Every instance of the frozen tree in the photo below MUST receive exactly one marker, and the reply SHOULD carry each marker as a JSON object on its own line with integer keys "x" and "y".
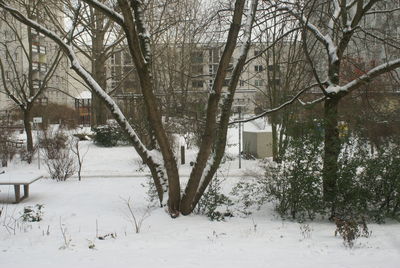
{"x": 332, "y": 32}
{"x": 25, "y": 67}
{"x": 129, "y": 15}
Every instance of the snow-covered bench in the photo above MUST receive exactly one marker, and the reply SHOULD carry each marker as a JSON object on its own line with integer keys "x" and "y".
{"x": 18, "y": 178}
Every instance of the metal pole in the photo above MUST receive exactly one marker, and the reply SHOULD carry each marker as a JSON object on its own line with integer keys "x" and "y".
{"x": 240, "y": 138}
{"x": 38, "y": 147}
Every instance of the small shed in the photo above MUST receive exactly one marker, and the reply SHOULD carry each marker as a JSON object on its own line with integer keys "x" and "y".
{"x": 258, "y": 143}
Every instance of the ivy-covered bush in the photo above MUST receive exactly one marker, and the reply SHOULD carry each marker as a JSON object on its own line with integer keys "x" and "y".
{"x": 214, "y": 203}
{"x": 294, "y": 185}
{"x": 368, "y": 180}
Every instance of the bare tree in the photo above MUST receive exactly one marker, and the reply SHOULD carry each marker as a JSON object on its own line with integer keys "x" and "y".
{"x": 339, "y": 28}
{"x": 282, "y": 70}
{"x": 96, "y": 39}
{"x": 25, "y": 70}
{"x": 161, "y": 161}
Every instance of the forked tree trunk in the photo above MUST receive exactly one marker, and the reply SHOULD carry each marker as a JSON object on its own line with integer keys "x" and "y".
{"x": 162, "y": 161}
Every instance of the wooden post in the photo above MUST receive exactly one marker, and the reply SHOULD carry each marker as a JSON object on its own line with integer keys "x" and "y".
{"x": 17, "y": 193}
{"x": 182, "y": 155}
{"x": 26, "y": 190}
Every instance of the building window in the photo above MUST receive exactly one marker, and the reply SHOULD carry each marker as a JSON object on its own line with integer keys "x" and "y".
{"x": 275, "y": 82}
{"x": 257, "y": 53}
{"x": 127, "y": 58}
{"x": 226, "y": 82}
{"x": 212, "y": 69}
{"x": 35, "y": 66}
{"x": 241, "y": 83}
{"x": 36, "y": 84}
{"x": 35, "y": 48}
{"x": 113, "y": 59}
{"x": 42, "y": 50}
{"x": 197, "y": 69}
{"x": 196, "y": 57}
{"x": 272, "y": 68}
{"x": 43, "y": 67}
{"x": 197, "y": 83}
{"x": 258, "y": 68}
{"x": 213, "y": 55}
{"x": 258, "y": 83}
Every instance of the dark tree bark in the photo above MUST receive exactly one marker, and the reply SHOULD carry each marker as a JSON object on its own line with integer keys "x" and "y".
{"x": 28, "y": 130}
{"x": 331, "y": 150}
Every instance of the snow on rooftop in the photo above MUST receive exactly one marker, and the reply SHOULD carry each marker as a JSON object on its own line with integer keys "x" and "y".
{"x": 84, "y": 95}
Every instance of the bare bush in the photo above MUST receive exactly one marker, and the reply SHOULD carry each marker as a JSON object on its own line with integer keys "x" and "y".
{"x": 350, "y": 230}
{"x": 75, "y": 149}
{"x": 137, "y": 220}
{"x": 57, "y": 155}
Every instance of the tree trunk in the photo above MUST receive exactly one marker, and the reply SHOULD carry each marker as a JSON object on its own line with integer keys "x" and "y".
{"x": 275, "y": 151}
{"x": 331, "y": 151}
{"x": 98, "y": 68}
{"x": 158, "y": 131}
{"x": 28, "y": 130}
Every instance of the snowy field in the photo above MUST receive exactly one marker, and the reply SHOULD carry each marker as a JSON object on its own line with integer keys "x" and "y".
{"x": 76, "y": 213}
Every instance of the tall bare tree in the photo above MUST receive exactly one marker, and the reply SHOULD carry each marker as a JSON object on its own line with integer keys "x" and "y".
{"x": 341, "y": 28}
{"x": 26, "y": 67}
{"x": 96, "y": 39}
{"x": 161, "y": 161}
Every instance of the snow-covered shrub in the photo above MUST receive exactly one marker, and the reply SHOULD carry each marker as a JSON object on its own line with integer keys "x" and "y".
{"x": 151, "y": 191}
{"x": 369, "y": 183}
{"x": 32, "y": 214}
{"x": 7, "y": 153}
{"x": 26, "y": 155}
{"x": 109, "y": 135}
{"x": 294, "y": 185}
{"x": 57, "y": 155}
{"x": 214, "y": 204}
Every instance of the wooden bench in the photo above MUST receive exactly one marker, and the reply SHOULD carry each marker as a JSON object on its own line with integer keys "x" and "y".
{"x": 18, "y": 178}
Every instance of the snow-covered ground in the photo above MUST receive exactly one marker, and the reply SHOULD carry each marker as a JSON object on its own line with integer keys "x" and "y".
{"x": 76, "y": 212}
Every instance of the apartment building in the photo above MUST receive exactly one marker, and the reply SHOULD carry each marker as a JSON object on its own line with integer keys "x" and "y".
{"x": 28, "y": 58}
{"x": 190, "y": 75}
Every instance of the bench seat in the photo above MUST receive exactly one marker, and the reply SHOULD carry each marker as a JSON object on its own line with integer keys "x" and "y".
{"x": 18, "y": 178}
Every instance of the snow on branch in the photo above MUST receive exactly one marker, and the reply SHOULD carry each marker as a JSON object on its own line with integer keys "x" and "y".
{"x": 280, "y": 107}
{"x": 326, "y": 40}
{"x": 310, "y": 103}
{"x": 248, "y": 26}
{"x": 373, "y": 73}
{"x": 335, "y": 16}
{"x": 143, "y": 33}
{"x": 95, "y": 87}
{"x": 215, "y": 158}
{"x": 112, "y": 14}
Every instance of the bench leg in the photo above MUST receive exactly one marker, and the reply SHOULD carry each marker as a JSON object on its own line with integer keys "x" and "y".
{"x": 17, "y": 193}
{"x": 26, "y": 190}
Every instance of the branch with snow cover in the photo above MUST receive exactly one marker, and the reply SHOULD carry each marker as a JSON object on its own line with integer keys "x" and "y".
{"x": 150, "y": 157}
{"x": 326, "y": 40}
